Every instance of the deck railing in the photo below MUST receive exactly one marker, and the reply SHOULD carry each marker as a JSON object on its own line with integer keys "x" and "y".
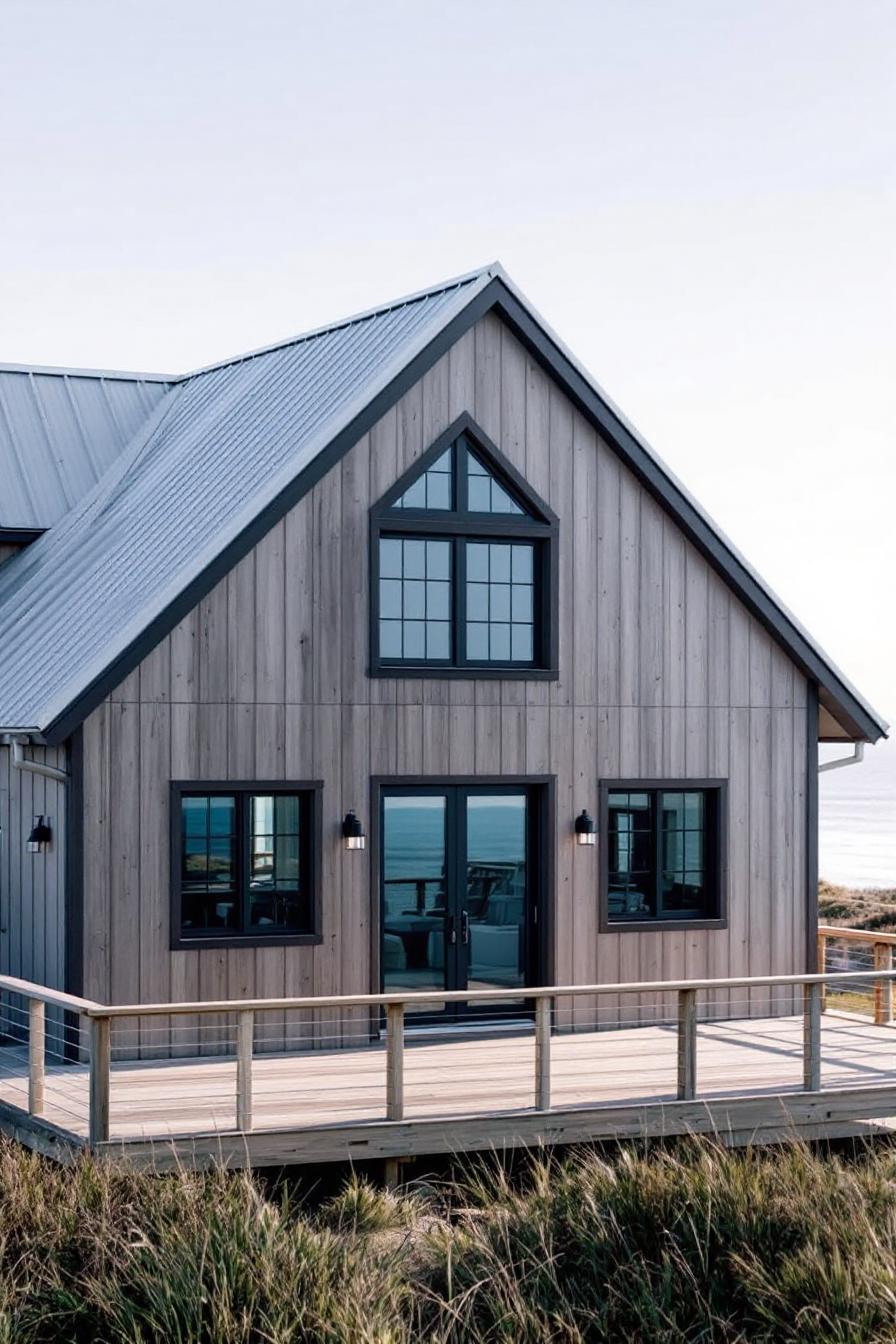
{"x": 869, "y": 948}
{"x": 93, "y": 1036}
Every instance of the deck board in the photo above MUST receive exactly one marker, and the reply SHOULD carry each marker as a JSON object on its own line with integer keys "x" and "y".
{"x": 475, "y": 1075}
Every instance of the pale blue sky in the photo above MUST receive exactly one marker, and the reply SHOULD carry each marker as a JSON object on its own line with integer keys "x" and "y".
{"x": 699, "y": 195}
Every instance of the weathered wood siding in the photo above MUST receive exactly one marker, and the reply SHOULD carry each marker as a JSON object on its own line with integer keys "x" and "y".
{"x": 32, "y": 886}
{"x": 662, "y": 673}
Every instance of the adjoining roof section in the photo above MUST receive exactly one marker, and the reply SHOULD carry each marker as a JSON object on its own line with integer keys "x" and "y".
{"x": 60, "y": 430}
{"x": 229, "y": 450}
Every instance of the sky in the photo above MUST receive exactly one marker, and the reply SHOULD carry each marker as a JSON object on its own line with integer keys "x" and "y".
{"x": 698, "y": 195}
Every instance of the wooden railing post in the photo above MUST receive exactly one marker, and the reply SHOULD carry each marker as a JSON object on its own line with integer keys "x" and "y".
{"x": 100, "y": 1064}
{"x": 36, "y": 1059}
{"x": 883, "y": 989}
{"x": 822, "y": 966}
{"x": 244, "y": 1043}
{"x": 394, "y": 1061}
{"x": 812, "y": 1037}
{"x": 687, "y": 1044}
{"x": 543, "y": 1009}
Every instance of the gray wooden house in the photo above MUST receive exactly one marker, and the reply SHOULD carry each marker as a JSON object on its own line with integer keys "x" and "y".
{"x": 388, "y": 657}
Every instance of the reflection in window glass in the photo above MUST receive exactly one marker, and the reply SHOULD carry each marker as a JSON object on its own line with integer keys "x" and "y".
{"x": 241, "y": 864}
{"x": 660, "y": 862}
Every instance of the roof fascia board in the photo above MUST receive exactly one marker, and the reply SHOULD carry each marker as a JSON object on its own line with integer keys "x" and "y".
{"x": 497, "y": 294}
{"x": 674, "y": 498}
{"x": 67, "y": 719}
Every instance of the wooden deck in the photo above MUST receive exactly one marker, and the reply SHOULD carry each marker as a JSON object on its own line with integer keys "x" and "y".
{"x": 470, "y": 1092}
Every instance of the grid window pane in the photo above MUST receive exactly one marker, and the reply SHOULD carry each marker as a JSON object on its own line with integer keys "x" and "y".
{"x": 242, "y": 864}
{"x": 432, "y": 490}
{"x": 390, "y": 558}
{"x": 485, "y": 494}
{"x": 506, "y": 602}
{"x": 438, "y": 639}
{"x": 683, "y": 851}
{"x": 659, "y": 860}
{"x": 208, "y": 862}
{"x": 415, "y": 604}
{"x": 390, "y": 599}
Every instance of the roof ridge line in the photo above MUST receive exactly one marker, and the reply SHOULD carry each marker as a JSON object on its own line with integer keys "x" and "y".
{"x": 491, "y": 271}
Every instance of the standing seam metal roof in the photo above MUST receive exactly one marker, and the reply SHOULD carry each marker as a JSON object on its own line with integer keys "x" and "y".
{"x": 59, "y": 432}
{"x": 221, "y": 445}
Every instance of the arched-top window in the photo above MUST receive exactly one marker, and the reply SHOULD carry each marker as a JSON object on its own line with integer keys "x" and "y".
{"x": 463, "y": 566}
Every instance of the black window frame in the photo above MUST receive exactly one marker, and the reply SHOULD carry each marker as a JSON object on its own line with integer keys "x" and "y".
{"x": 309, "y": 792}
{"x": 715, "y": 855}
{"x": 539, "y": 526}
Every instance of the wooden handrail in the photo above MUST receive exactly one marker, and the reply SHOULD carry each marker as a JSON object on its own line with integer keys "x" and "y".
{"x": 856, "y": 935}
{"x": 58, "y": 998}
{"x": 532, "y": 992}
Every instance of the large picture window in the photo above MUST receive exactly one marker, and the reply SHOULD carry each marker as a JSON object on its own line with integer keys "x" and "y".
{"x": 463, "y": 567}
{"x": 244, "y": 863}
{"x": 662, "y": 852}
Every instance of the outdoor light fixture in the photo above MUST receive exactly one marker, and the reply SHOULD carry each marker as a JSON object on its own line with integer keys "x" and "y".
{"x": 41, "y": 835}
{"x": 586, "y": 831}
{"x": 353, "y": 832}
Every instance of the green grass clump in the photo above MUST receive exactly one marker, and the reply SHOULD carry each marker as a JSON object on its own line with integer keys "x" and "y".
{"x": 690, "y": 1243}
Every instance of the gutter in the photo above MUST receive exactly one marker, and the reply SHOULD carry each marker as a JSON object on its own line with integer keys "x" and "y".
{"x": 22, "y": 762}
{"x": 858, "y": 754}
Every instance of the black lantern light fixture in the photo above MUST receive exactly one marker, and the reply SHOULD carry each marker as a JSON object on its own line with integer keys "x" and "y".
{"x": 41, "y": 835}
{"x": 353, "y": 832}
{"x": 586, "y": 831}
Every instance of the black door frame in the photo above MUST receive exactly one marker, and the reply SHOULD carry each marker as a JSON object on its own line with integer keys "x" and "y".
{"x": 541, "y": 850}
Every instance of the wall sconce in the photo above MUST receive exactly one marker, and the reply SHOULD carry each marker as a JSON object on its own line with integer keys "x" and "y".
{"x": 353, "y": 832}
{"x": 41, "y": 835}
{"x": 586, "y": 831}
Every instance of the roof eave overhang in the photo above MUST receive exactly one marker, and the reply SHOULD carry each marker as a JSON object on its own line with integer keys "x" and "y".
{"x": 499, "y": 295}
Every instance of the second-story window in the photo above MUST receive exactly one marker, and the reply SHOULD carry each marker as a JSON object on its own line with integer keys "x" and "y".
{"x": 463, "y": 566}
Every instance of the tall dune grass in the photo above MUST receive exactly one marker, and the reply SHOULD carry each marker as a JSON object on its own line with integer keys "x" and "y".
{"x": 693, "y": 1243}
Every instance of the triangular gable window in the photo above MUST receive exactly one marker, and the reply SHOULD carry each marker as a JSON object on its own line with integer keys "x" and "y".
{"x": 463, "y": 566}
{"x": 460, "y": 481}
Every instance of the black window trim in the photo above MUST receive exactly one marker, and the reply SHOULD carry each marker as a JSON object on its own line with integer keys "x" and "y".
{"x": 540, "y": 526}
{"x": 178, "y": 788}
{"x": 661, "y": 924}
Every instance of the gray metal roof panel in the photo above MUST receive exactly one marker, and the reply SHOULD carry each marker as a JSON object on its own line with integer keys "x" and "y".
{"x": 59, "y": 432}
{"x": 223, "y": 445}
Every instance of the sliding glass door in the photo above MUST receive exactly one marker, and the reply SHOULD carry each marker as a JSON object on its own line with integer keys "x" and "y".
{"x": 459, "y": 903}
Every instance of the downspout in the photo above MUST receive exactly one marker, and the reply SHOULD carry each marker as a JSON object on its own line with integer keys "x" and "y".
{"x": 21, "y": 762}
{"x": 858, "y": 753}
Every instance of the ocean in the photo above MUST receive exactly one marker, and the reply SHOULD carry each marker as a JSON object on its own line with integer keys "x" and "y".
{"x": 857, "y": 819}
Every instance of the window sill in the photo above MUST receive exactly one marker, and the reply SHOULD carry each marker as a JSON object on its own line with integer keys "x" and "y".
{"x": 473, "y": 673}
{"x": 658, "y": 925}
{"x": 204, "y": 943}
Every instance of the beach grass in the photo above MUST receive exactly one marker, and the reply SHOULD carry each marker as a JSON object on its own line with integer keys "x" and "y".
{"x": 686, "y": 1243}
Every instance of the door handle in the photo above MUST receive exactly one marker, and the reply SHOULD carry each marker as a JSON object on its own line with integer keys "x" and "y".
{"x": 452, "y": 931}
{"x": 464, "y": 928}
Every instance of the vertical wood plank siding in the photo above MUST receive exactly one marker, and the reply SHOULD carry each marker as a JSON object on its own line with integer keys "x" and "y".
{"x": 662, "y": 672}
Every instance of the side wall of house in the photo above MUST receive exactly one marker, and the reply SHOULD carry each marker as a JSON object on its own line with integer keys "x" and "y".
{"x": 663, "y": 673}
{"x": 32, "y": 886}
